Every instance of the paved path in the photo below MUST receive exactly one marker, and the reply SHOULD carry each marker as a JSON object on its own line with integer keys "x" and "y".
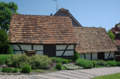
{"x": 68, "y": 74}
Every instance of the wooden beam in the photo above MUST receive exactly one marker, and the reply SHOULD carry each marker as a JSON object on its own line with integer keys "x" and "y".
{"x": 74, "y": 48}
{"x": 20, "y": 48}
{"x": 65, "y": 50}
{"x": 32, "y": 46}
{"x": 84, "y": 55}
{"x": 91, "y": 56}
{"x": 109, "y": 55}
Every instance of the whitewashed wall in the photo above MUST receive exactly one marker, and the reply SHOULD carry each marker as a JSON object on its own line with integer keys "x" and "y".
{"x": 107, "y": 54}
{"x": 62, "y": 48}
{"x": 88, "y": 56}
{"x": 94, "y": 56}
{"x": 81, "y": 55}
{"x": 28, "y": 47}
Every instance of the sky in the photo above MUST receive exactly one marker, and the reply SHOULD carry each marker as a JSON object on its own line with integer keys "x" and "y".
{"x": 88, "y": 13}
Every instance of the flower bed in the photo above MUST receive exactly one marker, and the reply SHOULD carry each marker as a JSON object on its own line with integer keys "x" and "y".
{"x": 72, "y": 66}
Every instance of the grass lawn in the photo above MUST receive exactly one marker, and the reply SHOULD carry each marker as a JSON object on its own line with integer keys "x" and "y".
{"x": 113, "y": 76}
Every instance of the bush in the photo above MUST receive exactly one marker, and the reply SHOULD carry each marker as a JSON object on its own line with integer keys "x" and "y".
{"x": 9, "y": 50}
{"x": 65, "y": 61}
{"x": 3, "y": 58}
{"x": 35, "y": 61}
{"x": 84, "y": 63}
{"x": 6, "y": 70}
{"x": 58, "y": 66}
{"x": 26, "y": 69}
{"x": 75, "y": 56}
{"x": 69, "y": 60}
{"x": 15, "y": 70}
{"x": 101, "y": 63}
{"x": 57, "y": 59}
{"x": 94, "y": 63}
{"x": 112, "y": 63}
{"x": 118, "y": 63}
{"x": 9, "y": 70}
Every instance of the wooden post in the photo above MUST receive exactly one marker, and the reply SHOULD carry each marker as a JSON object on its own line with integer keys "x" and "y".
{"x": 32, "y": 46}
{"x": 20, "y": 49}
{"x": 84, "y": 55}
{"x": 91, "y": 56}
{"x": 109, "y": 55}
{"x": 65, "y": 50}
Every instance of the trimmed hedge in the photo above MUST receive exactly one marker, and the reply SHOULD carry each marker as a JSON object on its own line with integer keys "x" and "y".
{"x": 65, "y": 61}
{"x": 26, "y": 69}
{"x": 101, "y": 63}
{"x": 76, "y": 56}
{"x": 94, "y": 63}
{"x": 112, "y": 63}
{"x": 118, "y": 63}
{"x": 4, "y": 57}
{"x": 58, "y": 66}
{"x": 84, "y": 63}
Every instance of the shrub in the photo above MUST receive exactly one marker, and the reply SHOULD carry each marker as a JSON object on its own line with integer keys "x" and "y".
{"x": 112, "y": 63}
{"x": 9, "y": 70}
{"x": 58, "y": 66}
{"x": 35, "y": 61}
{"x": 65, "y": 61}
{"x": 9, "y": 50}
{"x": 101, "y": 63}
{"x": 118, "y": 63}
{"x": 26, "y": 69}
{"x": 94, "y": 63}
{"x": 4, "y": 69}
{"x": 84, "y": 63}
{"x": 70, "y": 60}
{"x": 3, "y": 58}
{"x": 15, "y": 70}
{"x": 75, "y": 56}
{"x": 57, "y": 59}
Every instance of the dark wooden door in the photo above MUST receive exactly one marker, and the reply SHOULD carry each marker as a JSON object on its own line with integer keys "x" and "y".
{"x": 101, "y": 55}
{"x": 50, "y": 50}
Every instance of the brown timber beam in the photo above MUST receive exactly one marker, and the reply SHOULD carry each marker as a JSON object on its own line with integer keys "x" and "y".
{"x": 91, "y": 56}
{"x": 20, "y": 48}
{"x": 65, "y": 50}
{"x": 109, "y": 55}
{"x": 84, "y": 55}
{"x": 32, "y": 47}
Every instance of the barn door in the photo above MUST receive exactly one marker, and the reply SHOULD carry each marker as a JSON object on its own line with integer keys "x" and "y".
{"x": 50, "y": 50}
{"x": 101, "y": 55}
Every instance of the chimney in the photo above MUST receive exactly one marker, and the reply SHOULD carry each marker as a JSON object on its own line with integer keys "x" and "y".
{"x": 51, "y": 14}
{"x": 116, "y": 28}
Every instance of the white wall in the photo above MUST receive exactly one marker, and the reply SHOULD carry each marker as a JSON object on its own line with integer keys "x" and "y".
{"x": 39, "y": 52}
{"x": 88, "y": 56}
{"x": 17, "y": 52}
{"x": 64, "y": 46}
{"x": 107, "y": 54}
{"x": 25, "y": 47}
{"x": 81, "y": 55}
{"x": 37, "y": 47}
{"x": 94, "y": 56}
{"x": 15, "y": 47}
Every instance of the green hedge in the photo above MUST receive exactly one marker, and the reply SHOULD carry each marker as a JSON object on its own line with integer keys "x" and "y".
{"x": 35, "y": 61}
{"x": 4, "y": 57}
{"x": 57, "y": 59}
{"x": 76, "y": 56}
{"x": 112, "y": 63}
{"x": 101, "y": 63}
{"x": 84, "y": 63}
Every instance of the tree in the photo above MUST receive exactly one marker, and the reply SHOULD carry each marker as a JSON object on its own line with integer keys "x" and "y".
{"x": 111, "y": 35}
{"x": 5, "y": 48}
{"x": 75, "y": 56}
{"x": 6, "y": 10}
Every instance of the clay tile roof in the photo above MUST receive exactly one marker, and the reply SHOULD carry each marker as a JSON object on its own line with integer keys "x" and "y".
{"x": 93, "y": 40}
{"x": 41, "y": 29}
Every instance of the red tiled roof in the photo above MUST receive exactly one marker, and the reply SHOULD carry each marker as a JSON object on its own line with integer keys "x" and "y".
{"x": 41, "y": 29}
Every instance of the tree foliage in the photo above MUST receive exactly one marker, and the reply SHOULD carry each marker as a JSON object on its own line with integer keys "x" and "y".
{"x": 6, "y": 10}
{"x": 111, "y": 35}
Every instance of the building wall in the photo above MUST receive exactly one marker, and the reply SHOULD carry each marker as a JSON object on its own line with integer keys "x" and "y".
{"x": 39, "y": 49}
{"x": 65, "y": 14}
{"x": 95, "y": 55}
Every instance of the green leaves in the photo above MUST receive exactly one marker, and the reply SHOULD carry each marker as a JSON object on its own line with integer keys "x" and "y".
{"x": 111, "y": 35}
{"x": 6, "y": 10}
